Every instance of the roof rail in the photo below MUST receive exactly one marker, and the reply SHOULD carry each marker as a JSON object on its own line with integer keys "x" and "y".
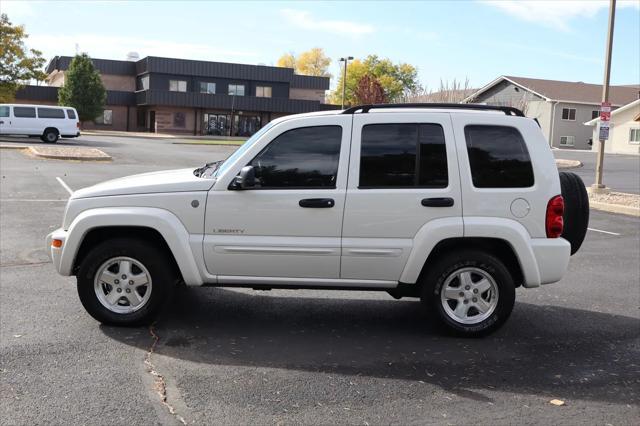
{"x": 366, "y": 108}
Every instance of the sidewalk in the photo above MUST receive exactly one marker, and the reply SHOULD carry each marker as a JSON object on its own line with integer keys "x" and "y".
{"x": 149, "y": 135}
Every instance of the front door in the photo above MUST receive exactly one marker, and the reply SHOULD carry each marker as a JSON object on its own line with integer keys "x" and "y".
{"x": 5, "y": 119}
{"x": 403, "y": 175}
{"x": 289, "y": 225}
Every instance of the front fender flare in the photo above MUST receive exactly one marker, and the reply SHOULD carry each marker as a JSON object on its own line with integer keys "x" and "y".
{"x": 163, "y": 221}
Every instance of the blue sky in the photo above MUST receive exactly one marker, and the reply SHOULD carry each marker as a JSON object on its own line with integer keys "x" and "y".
{"x": 479, "y": 40}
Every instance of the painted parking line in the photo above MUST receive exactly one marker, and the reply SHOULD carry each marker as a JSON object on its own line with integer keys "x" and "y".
{"x": 64, "y": 185}
{"x": 604, "y": 232}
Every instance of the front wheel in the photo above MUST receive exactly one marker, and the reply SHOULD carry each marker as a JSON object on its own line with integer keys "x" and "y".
{"x": 470, "y": 293}
{"x": 125, "y": 281}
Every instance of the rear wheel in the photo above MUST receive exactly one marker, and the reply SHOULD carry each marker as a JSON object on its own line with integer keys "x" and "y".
{"x": 576, "y": 209}
{"x": 125, "y": 281}
{"x": 470, "y": 293}
{"x": 50, "y": 136}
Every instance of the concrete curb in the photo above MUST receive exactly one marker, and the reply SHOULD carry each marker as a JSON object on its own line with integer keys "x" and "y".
{"x": 615, "y": 208}
{"x": 221, "y": 143}
{"x": 96, "y": 154}
{"x": 568, "y": 164}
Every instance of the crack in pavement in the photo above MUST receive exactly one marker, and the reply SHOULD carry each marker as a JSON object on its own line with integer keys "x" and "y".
{"x": 10, "y": 264}
{"x": 160, "y": 384}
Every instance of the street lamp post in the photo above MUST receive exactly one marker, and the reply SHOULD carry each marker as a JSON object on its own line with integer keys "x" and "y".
{"x": 344, "y": 76}
{"x": 233, "y": 101}
{"x": 605, "y": 93}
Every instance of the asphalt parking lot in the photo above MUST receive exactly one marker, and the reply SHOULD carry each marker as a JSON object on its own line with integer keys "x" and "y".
{"x": 290, "y": 357}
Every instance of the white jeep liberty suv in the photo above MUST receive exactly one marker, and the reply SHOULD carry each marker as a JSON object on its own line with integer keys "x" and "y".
{"x": 455, "y": 204}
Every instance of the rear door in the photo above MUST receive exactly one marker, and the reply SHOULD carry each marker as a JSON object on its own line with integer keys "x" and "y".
{"x": 403, "y": 174}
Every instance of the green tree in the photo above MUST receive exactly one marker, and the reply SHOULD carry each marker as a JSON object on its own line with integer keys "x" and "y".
{"x": 18, "y": 64}
{"x": 83, "y": 88}
{"x": 397, "y": 80}
{"x": 312, "y": 62}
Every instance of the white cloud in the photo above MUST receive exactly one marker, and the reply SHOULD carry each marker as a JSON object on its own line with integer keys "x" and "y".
{"x": 555, "y": 14}
{"x": 303, "y": 19}
{"x": 116, "y": 47}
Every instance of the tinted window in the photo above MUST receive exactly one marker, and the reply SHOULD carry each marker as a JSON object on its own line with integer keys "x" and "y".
{"x": 498, "y": 157}
{"x": 71, "y": 114}
{"x": 50, "y": 113}
{"x": 403, "y": 155}
{"x": 24, "y": 112}
{"x": 4, "y": 111}
{"x": 301, "y": 158}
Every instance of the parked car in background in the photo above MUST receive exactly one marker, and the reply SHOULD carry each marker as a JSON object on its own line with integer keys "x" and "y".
{"x": 47, "y": 122}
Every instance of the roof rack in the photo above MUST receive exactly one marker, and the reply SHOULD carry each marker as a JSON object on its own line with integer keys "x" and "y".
{"x": 366, "y": 108}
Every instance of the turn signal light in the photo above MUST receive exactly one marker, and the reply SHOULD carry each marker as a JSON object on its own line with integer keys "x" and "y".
{"x": 56, "y": 243}
{"x": 554, "y": 222}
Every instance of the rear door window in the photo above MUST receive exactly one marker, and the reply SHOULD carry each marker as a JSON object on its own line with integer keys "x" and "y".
{"x": 71, "y": 114}
{"x": 24, "y": 112}
{"x": 403, "y": 155}
{"x": 50, "y": 113}
{"x": 498, "y": 157}
{"x": 4, "y": 111}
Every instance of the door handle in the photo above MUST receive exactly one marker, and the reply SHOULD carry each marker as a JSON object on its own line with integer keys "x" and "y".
{"x": 317, "y": 203}
{"x": 437, "y": 202}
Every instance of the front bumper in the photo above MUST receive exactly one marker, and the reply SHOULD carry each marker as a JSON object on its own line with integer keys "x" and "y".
{"x": 56, "y": 252}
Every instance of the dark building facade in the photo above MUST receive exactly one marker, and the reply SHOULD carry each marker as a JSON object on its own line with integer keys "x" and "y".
{"x": 193, "y": 97}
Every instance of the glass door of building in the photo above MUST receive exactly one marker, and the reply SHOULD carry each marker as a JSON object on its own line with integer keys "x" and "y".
{"x": 216, "y": 124}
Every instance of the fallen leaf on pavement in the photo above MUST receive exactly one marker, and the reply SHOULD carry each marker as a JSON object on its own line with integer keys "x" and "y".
{"x": 557, "y": 402}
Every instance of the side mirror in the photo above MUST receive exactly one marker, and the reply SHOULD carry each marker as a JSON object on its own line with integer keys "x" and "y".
{"x": 245, "y": 180}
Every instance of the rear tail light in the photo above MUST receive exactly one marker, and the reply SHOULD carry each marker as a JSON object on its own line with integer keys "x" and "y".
{"x": 78, "y": 124}
{"x": 554, "y": 222}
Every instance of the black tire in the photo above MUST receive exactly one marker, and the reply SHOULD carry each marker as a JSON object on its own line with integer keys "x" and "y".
{"x": 163, "y": 278}
{"x": 576, "y": 209}
{"x": 50, "y": 136}
{"x": 444, "y": 268}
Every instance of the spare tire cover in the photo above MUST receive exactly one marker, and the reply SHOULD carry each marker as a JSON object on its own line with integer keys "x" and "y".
{"x": 576, "y": 209}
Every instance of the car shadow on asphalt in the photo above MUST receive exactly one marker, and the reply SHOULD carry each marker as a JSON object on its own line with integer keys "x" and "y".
{"x": 542, "y": 350}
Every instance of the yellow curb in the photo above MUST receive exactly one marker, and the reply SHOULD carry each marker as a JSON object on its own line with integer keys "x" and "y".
{"x": 99, "y": 155}
{"x": 14, "y": 146}
{"x": 615, "y": 208}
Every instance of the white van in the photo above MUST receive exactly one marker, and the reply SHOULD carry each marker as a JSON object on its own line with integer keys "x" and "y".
{"x": 47, "y": 122}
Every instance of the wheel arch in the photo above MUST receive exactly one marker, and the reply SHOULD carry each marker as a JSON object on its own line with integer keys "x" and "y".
{"x": 145, "y": 222}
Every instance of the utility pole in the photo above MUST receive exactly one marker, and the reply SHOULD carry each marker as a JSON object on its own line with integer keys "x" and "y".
{"x": 605, "y": 93}
{"x": 344, "y": 76}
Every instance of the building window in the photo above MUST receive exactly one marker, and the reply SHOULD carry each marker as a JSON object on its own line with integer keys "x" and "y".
{"x": 106, "y": 118}
{"x": 179, "y": 120}
{"x": 567, "y": 140}
{"x": 144, "y": 82}
{"x": 177, "y": 85}
{"x": 634, "y": 136}
{"x": 569, "y": 114}
{"x": 206, "y": 87}
{"x": 595, "y": 114}
{"x": 263, "y": 91}
{"x": 498, "y": 157}
{"x": 388, "y": 156}
{"x": 236, "y": 89}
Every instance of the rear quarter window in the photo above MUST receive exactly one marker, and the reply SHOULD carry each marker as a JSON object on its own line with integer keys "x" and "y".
{"x": 71, "y": 114}
{"x": 498, "y": 157}
{"x": 50, "y": 113}
{"x": 4, "y": 111}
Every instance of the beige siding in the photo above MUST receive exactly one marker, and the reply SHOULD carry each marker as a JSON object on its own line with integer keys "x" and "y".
{"x": 620, "y": 132}
{"x": 124, "y": 83}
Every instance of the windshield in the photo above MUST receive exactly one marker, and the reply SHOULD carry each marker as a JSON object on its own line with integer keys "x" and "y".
{"x": 244, "y": 147}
